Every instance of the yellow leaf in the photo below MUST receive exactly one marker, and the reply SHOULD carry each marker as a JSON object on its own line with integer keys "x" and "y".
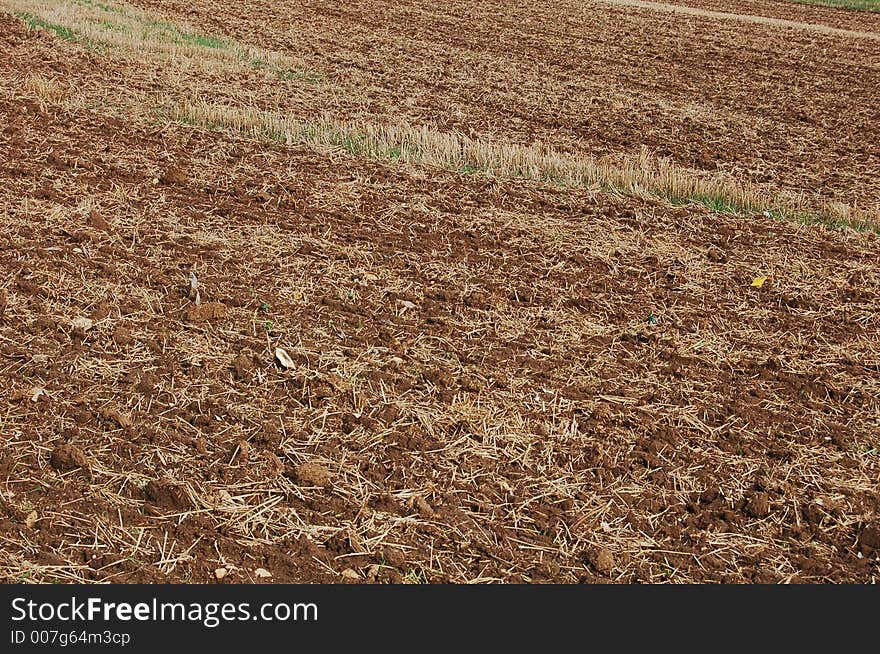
{"x": 759, "y": 282}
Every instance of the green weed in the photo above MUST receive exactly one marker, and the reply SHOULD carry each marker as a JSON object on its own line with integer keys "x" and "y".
{"x": 101, "y": 6}
{"x": 857, "y": 5}
{"x": 34, "y": 22}
{"x": 297, "y": 76}
{"x": 204, "y": 41}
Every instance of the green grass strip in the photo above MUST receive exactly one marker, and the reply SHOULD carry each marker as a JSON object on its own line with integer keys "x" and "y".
{"x": 856, "y": 5}
{"x": 35, "y": 22}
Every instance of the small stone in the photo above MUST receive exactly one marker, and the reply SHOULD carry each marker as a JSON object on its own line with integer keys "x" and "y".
{"x": 349, "y": 573}
{"x": 68, "y": 457}
{"x": 219, "y": 573}
{"x": 262, "y": 573}
{"x": 283, "y": 358}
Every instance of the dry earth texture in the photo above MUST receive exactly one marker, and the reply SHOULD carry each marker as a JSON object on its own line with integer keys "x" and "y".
{"x": 439, "y": 292}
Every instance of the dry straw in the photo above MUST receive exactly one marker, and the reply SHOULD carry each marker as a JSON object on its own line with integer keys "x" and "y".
{"x": 119, "y": 25}
{"x": 640, "y": 175}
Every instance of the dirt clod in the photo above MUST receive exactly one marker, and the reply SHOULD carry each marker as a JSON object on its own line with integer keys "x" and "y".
{"x": 68, "y": 457}
{"x": 241, "y": 452}
{"x": 147, "y": 382}
{"x": 757, "y": 505}
{"x": 311, "y": 474}
{"x": 243, "y": 367}
{"x": 424, "y": 509}
{"x": 716, "y": 255}
{"x": 601, "y": 560}
{"x": 172, "y": 176}
{"x": 394, "y": 557}
{"x": 268, "y": 437}
{"x": 98, "y": 221}
{"x": 115, "y": 418}
{"x": 869, "y": 539}
{"x": 167, "y": 494}
{"x": 122, "y": 336}
{"x": 206, "y": 312}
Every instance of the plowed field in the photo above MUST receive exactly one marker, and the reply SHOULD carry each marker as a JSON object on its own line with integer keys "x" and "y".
{"x": 424, "y": 292}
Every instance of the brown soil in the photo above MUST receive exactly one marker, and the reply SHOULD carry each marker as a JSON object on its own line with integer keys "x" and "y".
{"x": 493, "y": 380}
{"x": 793, "y": 109}
{"x": 863, "y": 21}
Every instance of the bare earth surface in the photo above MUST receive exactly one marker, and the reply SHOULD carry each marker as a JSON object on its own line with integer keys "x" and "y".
{"x": 786, "y": 10}
{"x": 483, "y": 379}
{"x": 794, "y": 109}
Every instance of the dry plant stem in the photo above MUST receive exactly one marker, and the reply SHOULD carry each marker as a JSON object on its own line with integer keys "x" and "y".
{"x": 121, "y": 26}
